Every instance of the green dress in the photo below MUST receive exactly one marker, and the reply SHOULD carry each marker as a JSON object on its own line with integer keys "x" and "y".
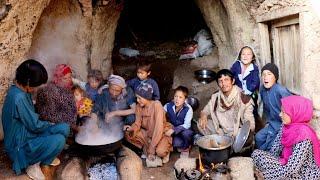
{"x": 27, "y": 139}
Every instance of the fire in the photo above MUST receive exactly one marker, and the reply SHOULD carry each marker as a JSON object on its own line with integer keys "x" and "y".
{"x": 201, "y": 168}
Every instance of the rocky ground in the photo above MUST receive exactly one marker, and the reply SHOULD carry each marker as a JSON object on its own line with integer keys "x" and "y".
{"x": 162, "y": 173}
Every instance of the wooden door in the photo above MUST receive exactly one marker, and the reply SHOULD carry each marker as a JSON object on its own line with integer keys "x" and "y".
{"x": 286, "y": 52}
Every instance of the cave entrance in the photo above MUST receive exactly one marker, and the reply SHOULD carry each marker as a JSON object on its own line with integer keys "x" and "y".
{"x": 160, "y": 30}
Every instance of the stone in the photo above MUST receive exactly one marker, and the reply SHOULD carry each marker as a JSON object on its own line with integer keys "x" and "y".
{"x": 241, "y": 168}
{"x": 72, "y": 170}
{"x": 129, "y": 164}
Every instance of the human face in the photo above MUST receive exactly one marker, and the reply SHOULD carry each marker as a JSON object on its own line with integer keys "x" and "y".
{"x": 77, "y": 95}
{"x": 179, "y": 98}
{"x": 93, "y": 83}
{"x": 142, "y": 101}
{"x": 115, "y": 90}
{"x": 268, "y": 79}
{"x": 285, "y": 117}
{"x": 226, "y": 84}
{"x": 246, "y": 56}
{"x": 31, "y": 90}
{"x": 66, "y": 79}
{"x": 142, "y": 74}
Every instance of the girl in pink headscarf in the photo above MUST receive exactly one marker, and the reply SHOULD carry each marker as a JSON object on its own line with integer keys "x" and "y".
{"x": 295, "y": 154}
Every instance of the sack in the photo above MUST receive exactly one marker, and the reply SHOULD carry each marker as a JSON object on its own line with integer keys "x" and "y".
{"x": 129, "y": 52}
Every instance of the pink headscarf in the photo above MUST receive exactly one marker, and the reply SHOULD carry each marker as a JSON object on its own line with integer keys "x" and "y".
{"x": 300, "y": 111}
{"x": 60, "y": 71}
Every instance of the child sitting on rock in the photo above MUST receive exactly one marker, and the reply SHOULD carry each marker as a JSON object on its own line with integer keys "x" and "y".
{"x": 180, "y": 115}
{"x": 143, "y": 73}
{"x": 93, "y": 86}
{"x": 151, "y": 131}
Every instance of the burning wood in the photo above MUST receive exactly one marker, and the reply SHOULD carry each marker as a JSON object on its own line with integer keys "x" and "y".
{"x": 201, "y": 168}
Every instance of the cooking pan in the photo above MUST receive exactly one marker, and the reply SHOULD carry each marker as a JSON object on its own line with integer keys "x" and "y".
{"x": 81, "y": 150}
{"x": 84, "y": 148}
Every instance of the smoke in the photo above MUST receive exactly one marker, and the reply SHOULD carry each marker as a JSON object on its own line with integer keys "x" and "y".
{"x": 60, "y": 40}
{"x": 97, "y": 132}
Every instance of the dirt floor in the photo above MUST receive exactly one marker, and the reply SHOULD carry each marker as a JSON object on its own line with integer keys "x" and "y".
{"x": 162, "y": 173}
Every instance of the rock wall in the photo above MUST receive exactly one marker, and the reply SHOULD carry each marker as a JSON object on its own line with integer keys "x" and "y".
{"x": 310, "y": 56}
{"x": 64, "y": 35}
{"x": 104, "y": 26}
{"x": 231, "y": 25}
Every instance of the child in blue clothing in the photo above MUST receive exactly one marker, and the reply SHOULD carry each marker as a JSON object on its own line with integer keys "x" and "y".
{"x": 246, "y": 72}
{"x": 271, "y": 93}
{"x": 93, "y": 86}
{"x": 143, "y": 73}
{"x": 180, "y": 115}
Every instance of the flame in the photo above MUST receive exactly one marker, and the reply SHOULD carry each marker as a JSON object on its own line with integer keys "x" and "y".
{"x": 212, "y": 165}
{"x": 201, "y": 168}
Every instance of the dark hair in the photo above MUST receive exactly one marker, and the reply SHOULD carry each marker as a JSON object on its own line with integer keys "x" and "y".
{"x": 97, "y": 74}
{"x": 183, "y": 89}
{"x": 144, "y": 65}
{"x": 78, "y": 88}
{"x": 225, "y": 72}
{"x": 31, "y": 73}
{"x": 253, "y": 55}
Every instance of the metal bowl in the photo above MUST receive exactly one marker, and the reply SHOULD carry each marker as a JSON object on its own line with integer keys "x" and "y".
{"x": 205, "y": 76}
{"x": 193, "y": 102}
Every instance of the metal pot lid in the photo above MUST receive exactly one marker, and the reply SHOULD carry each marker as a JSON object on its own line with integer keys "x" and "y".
{"x": 241, "y": 137}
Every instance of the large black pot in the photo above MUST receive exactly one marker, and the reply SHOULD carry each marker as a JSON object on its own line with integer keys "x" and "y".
{"x": 214, "y": 154}
{"x": 95, "y": 150}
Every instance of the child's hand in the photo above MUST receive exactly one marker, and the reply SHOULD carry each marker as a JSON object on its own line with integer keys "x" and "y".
{"x": 169, "y": 132}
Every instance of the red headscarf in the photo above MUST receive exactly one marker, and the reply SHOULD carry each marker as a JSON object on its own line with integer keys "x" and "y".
{"x": 60, "y": 71}
{"x": 300, "y": 111}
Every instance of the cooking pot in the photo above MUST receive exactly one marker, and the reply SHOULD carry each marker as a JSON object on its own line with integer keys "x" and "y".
{"x": 95, "y": 150}
{"x": 205, "y": 76}
{"x": 214, "y": 148}
{"x": 193, "y": 102}
{"x": 93, "y": 140}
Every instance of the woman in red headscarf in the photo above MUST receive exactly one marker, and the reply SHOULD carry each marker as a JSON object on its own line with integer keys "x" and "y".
{"x": 55, "y": 102}
{"x": 295, "y": 153}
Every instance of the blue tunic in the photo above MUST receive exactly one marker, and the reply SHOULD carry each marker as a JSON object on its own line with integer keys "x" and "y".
{"x": 271, "y": 108}
{"x": 92, "y": 93}
{"x": 27, "y": 139}
{"x": 135, "y": 82}
{"x": 104, "y": 104}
